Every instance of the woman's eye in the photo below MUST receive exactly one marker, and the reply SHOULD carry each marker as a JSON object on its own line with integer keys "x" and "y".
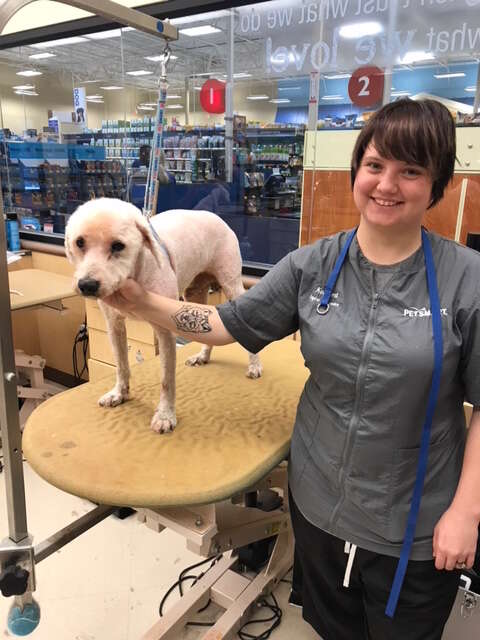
{"x": 117, "y": 247}
{"x": 412, "y": 172}
{"x": 80, "y": 243}
{"x": 375, "y": 166}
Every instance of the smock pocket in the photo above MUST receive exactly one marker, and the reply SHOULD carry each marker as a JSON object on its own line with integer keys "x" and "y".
{"x": 443, "y": 472}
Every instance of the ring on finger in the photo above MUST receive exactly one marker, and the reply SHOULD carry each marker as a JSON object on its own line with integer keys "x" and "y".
{"x": 461, "y": 564}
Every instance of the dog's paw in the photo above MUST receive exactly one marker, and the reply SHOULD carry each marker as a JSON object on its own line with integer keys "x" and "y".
{"x": 113, "y": 398}
{"x": 163, "y": 421}
{"x": 198, "y": 359}
{"x": 254, "y": 370}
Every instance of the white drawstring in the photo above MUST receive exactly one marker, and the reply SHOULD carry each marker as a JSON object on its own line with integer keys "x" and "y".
{"x": 350, "y": 549}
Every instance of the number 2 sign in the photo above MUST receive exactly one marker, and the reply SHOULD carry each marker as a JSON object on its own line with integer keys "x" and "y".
{"x": 365, "y": 86}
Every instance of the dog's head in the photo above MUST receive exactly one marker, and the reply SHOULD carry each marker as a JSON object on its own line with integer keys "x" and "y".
{"x": 103, "y": 240}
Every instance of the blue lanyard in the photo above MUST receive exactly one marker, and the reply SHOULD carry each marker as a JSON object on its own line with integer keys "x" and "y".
{"x": 322, "y": 309}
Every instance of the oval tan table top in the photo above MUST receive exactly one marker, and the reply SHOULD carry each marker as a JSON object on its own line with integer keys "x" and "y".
{"x": 231, "y": 431}
{"x": 32, "y": 287}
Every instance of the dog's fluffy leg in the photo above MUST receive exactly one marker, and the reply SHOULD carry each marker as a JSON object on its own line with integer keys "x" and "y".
{"x": 232, "y": 290}
{"x": 118, "y": 339}
{"x": 164, "y": 418}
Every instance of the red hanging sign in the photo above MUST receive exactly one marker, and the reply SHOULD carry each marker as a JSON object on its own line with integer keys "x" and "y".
{"x": 365, "y": 87}
{"x": 212, "y": 96}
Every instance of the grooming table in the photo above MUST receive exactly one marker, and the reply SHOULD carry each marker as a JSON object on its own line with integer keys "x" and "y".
{"x": 232, "y": 434}
{"x": 31, "y": 288}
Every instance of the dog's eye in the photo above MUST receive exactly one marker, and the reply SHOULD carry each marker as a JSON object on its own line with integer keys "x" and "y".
{"x": 117, "y": 246}
{"x": 80, "y": 243}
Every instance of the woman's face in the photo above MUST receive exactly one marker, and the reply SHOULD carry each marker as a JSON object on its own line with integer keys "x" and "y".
{"x": 391, "y": 193}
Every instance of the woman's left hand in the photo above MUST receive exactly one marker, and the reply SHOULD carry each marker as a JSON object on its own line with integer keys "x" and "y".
{"x": 455, "y": 540}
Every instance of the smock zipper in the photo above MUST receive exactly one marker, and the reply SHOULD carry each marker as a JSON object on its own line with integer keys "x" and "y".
{"x": 359, "y": 388}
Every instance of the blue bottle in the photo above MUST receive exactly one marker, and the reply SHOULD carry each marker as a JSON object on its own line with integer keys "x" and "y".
{"x": 13, "y": 237}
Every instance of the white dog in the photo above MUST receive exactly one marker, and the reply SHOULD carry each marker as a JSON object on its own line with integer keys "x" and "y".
{"x": 108, "y": 241}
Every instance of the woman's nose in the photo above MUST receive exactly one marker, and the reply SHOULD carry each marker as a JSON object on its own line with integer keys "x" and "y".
{"x": 387, "y": 182}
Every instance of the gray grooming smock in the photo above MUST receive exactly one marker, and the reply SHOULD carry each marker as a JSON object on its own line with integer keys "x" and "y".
{"x": 355, "y": 444}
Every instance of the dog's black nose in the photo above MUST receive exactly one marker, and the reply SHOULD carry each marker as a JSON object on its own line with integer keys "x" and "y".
{"x": 89, "y": 286}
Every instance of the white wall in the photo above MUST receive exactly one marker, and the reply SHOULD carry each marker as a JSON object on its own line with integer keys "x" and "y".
{"x": 55, "y": 93}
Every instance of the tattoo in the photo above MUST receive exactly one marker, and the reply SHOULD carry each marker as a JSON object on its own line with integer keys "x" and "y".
{"x": 192, "y": 319}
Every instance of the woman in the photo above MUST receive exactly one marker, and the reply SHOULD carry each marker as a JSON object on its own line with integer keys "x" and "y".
{"x": 389, "y": 321}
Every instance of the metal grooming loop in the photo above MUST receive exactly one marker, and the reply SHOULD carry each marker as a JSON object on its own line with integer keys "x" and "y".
{"x": 151, "y": 188}
{"x": 17, "y": 553}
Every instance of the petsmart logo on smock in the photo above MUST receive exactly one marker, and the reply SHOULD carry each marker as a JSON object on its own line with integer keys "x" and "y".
{"x": 413, "y": 312}
{"x": 317, "y": 295}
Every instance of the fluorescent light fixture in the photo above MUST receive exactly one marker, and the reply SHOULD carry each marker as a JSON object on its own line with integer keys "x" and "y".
{"x": 24, "y": 87}
{"x": 332, "y": 97}
{"x": 95, "y": 101}
{"x": 360, "y": 29}
{"x": 94, "y": 97}
{"x": 90, "y": 81}
{"x": 400, "y": 93}
{"x": 200, "y": 17}
{"x": 174, "y": 106}
{"x": 449, "y": 75}
{"x": 28, "y": 73}
{"x": 416, "y": 56}
{"x": 203, "y": 30}
{"x": 143, "y": 107}
{"x": 280, "y": 100}
{"x": 289, "y": 88}
{"x": 173, "y": 97}
{"x": 258, "y": 97}
{"x": 159, "y": 58}
{"x": 241, "y": 74}
{"x": 40, "y": 56}
{"x": 140, "y": 72}
{"x": 103, "y": 35}
{"x": 200, "y": 88}
{"x": 59, "y": 43}
{"x": 338, "y": 76}
{"x": 472, "y": 87}
{"x": 25, "y": 92}
{"x": 148, "y": 104}
{"x": 112, "y": 88}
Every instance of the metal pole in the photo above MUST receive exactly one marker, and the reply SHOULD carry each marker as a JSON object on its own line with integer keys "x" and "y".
{"x": 392, "y": 21}
{"x": 476, "y": 102}
{"x": 104, "y": 8}
{"x": 9, "y": 420}
{"x": 229, "y": 98}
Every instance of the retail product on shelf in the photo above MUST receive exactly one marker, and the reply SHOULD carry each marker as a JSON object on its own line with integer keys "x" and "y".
{"x": 50, "y": 180}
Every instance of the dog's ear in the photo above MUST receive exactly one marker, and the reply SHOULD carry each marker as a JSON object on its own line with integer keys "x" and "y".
{"x": 143, "y": 226}
{"x": 68, "y": 246}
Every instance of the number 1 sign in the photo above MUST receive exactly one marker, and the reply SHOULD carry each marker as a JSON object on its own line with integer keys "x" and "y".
{"x": 365, "y": 87}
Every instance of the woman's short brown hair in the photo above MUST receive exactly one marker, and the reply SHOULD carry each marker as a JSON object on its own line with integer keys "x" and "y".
{"x": 419, "y": 132}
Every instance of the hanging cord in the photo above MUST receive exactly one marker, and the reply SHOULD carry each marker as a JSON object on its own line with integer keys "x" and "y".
{"x": 82, "y": 339}
{"x": 275, "y": 618}
{"x": 151, "y": 188}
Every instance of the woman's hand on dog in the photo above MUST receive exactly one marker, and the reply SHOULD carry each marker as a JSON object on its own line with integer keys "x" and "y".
{"x": 128, "y": 299}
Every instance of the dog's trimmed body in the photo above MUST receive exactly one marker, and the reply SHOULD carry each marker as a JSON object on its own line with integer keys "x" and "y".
{"x": 193, "y": 249}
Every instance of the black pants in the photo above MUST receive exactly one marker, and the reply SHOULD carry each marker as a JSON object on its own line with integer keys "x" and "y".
{"x": 358, "y": 612}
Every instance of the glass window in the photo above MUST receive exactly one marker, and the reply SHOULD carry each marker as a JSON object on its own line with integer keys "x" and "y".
{"x": 263, "y": 106}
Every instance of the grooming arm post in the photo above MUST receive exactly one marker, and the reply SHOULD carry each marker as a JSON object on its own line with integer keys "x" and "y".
{"x": 104, "y": 8}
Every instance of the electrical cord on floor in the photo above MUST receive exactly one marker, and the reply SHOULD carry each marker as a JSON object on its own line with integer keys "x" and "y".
{"x": 82, "y": 339}
{"x": 276, "y": 617}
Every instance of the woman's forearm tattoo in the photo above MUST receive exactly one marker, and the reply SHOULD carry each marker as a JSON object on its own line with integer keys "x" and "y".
{"x": 192, "y": 319}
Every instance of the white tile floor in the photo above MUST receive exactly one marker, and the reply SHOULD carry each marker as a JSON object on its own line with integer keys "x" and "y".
{"x": 108, "y": 583}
